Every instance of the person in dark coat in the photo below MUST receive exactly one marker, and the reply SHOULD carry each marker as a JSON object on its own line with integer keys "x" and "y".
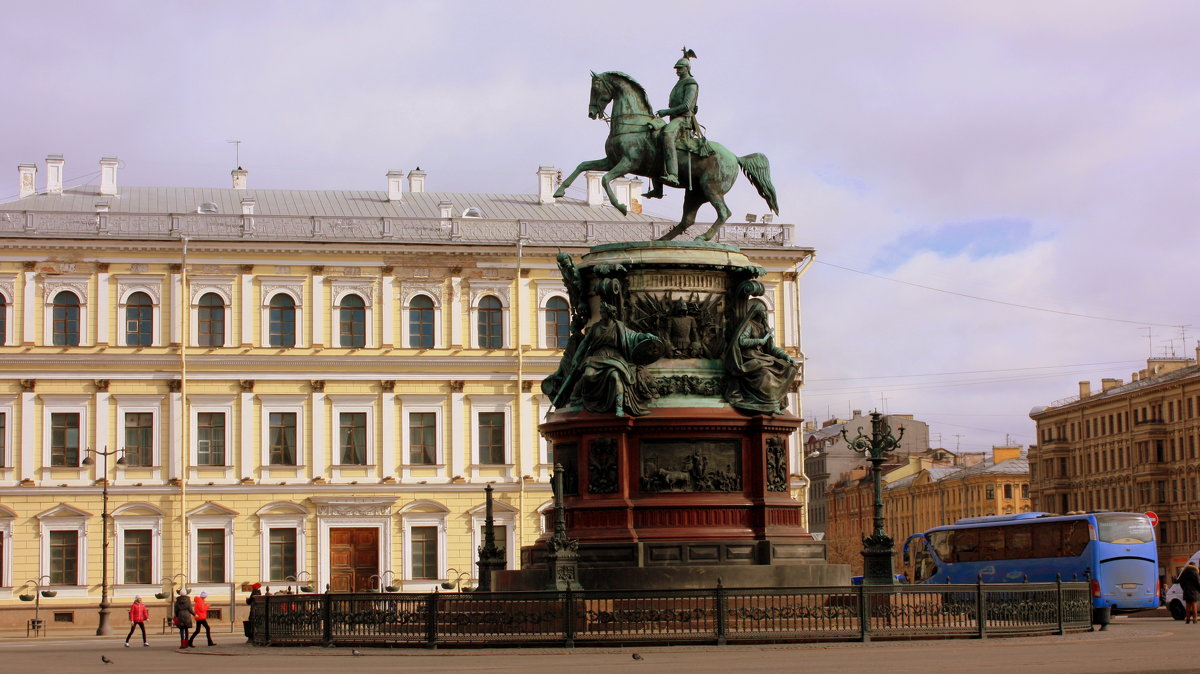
{"x": 185, "y": 617}
{"x": 1189, "y": 582}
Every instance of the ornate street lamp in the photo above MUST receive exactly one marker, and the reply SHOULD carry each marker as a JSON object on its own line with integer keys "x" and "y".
{"x": 877, "y": 548}
{"x": 102, "y": 629}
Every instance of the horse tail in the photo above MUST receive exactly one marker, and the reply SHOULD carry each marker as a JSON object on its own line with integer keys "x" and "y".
{"x": 758, "y": 170}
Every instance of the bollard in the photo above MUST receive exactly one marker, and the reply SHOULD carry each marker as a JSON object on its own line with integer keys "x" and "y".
{"x": 719, "y": 600}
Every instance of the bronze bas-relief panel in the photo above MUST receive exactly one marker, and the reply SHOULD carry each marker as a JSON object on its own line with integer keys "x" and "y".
{"x": 691, "y": 465}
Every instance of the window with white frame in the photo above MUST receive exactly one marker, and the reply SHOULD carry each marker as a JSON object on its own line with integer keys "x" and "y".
{"x": 505, "y": 519}
{"x": 138, "y": 532}
{"x": 137, "y": 429}
{"x": 282, "y": 427}
{"x": 64, "y": 317}
{"x": 6, "y": 426}
{"x": 489, "y": 317}
{"x": 63, "y": 537}
{"x": 139, "y": 327}
{"x": 354, "y": 417}
{"x": 556, "y": 322}
{"x": 353, "y": 317}
{"x": 421, "y": 430}
{"x": 212, "y": 430}
{"x": 7, "y": 299}
{"x": 490, "y": 436}
{"x": 211, "y": 550}
{"x": 282, "y": 541}
{"x": 282, "y": 313}
{"x": 424, "y": 544}
{"x": 421, "y": 317}
{"x": 211, "y": 321}
{"x": 6, "y": 545}
{"x": 64, "y": 430}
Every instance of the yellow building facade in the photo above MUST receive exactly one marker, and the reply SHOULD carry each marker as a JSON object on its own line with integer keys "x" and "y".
{"x": 299, "y": 389}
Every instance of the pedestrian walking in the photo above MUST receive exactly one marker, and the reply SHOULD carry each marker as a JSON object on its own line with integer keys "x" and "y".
{"x": 248, "y": 625}
{"x": 139, "y": 613}
{"x": 184, "y": 617}
{"x": 201, "y": 609}
{"x": 1189, "y": 582}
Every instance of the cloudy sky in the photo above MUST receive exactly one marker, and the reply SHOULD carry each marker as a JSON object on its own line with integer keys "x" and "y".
{"x": 1001, "y": 194}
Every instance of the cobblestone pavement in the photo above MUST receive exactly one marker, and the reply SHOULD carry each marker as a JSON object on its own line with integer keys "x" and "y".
{"x": 1129, "y": 645}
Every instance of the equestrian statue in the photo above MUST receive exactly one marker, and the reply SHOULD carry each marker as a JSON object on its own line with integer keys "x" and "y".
{"x": 673, "y": 153}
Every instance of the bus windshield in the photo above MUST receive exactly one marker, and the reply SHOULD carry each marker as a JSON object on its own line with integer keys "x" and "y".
{"x": 1124, "y": 528}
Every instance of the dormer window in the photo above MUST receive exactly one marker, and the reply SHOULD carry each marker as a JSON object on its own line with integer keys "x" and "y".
{"x": 472, "y": 212}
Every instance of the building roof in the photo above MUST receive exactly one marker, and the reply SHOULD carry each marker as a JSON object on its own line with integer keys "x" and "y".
{"x": 1018, "y": 466}
{"x": 1146, "y": 382}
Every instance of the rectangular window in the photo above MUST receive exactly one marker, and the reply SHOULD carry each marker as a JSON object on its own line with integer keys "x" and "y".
{"x": 3, "y": 434}
{"x": 501, "y": 533}
{"x": 210, "y": 438}
{"x": 491, "y": 438}
{"x": 282, "y": 435}
{"x": 137, "y": 557}
{"x": 990, "y": 492}
{"x": 283, "y": 553}
{"x": 422, "y": 436}
{"x": 424, "y": 553}
{"x": 64, "y": 439}
{"x": 352, "y": 432}
{"x": 139, "y": 438}
{"x": 1008, "y": 492}
{"x": 64, "y": 558}
{"x": 210, "y": 555}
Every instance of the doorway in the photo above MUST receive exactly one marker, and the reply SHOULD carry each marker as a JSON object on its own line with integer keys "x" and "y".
{"x": 353, "y": 558}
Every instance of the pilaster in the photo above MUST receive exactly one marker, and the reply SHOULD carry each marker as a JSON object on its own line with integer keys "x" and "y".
{"x": 320, "y": 439}
{"x": 175, "y": 455}
{"x": 458, "y": 444}
{"x": 318, "y": 310}
{"x": 102, "y": 308}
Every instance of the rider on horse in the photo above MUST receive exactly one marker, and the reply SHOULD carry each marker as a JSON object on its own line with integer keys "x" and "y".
{"x": 683, "y": 118}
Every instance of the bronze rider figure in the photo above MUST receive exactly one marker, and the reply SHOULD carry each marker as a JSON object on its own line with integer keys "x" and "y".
{"x": 682, "y": 113}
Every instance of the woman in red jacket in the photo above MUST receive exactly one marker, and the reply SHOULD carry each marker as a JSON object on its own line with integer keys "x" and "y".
{"x": 139, "y": 613}
{"x": 201, "y": 609}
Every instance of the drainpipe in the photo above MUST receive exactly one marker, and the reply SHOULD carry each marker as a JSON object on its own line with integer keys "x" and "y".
{"x": 519, "y": 535}
{"x": 186, "y": 421}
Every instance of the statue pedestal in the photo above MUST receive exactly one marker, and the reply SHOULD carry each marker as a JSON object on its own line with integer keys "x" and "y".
{"x": 671, "y": 430}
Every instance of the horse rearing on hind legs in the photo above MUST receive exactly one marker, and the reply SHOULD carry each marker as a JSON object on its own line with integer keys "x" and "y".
{"x": 632, "y": 147}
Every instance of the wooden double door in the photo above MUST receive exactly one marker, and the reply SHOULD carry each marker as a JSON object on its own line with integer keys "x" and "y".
{"x": 353, "y": 559}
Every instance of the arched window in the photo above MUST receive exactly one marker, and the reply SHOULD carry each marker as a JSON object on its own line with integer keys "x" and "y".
{"x": 282, "y": 317}
{"x": 420, "y": 322}
{"x": 211, "y": 320}
{"x": 139, "y": 320}
{"x": 66, "y": 319}
{"x": 558, "y": 323}
{"x": 3, "y": 319}
{"x": 491, "y": 322}
{"x": 352, "y": 322}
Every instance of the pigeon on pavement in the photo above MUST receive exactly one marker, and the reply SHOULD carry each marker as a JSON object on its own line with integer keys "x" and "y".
{"x": 105, "y": 660}
{"x": 638, "y": 656}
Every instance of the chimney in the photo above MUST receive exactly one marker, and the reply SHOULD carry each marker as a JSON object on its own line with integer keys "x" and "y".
{"x": 395, "y": 180}
{"x": 102, "y": 206}
{"x": 1085, "y": 389}
{"x": 240, "y": 178}
{"x": 621, "y": 189}
{"x": 446, "y": 208}
{"x": 546, "y": 184}
{"x": 1109, "y": 383}
{"x": 635, "y": 191}
{"x": 1197, "y": 342}
{"x": 108, "y": 175}
{"x": 416, "y": 181}
{"x": 595, "y": 191}
{"x": 857, "y": 414}
{"x": 27, "y": 174}
{"x": 247, "y": 205}
{"x": 54, "y": 174}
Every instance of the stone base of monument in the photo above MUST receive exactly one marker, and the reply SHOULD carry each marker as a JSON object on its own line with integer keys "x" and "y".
{"x": 816, "y": 574}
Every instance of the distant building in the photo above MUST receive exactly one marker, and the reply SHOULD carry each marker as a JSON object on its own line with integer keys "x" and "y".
{"x": 919, "y": 495}
{"x": 1129, "y": 446}
{"x": 827, "y": 457}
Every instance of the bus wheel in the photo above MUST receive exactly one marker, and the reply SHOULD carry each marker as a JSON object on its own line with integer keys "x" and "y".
{"x": 1101, "y": 617}
{"x": 1176, "y": 609}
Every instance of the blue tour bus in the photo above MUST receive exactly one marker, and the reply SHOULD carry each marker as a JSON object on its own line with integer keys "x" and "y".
{"x": 1115, "y": 552}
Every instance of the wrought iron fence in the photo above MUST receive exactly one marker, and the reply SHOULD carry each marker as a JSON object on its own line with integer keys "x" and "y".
{"x": 717, "y": 615}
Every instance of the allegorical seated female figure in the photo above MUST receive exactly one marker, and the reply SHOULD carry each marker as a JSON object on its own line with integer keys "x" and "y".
{"x": 760, "y": 372}
{"x": 612, "y": 377}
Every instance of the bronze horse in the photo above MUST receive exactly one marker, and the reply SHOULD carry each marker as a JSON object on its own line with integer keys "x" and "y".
{"x": 631, "y": 147}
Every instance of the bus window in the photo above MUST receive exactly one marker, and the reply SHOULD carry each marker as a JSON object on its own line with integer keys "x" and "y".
{"x": 1047, "y": 539}
{"x": 1124, "y": 528}
{"x": 966, "y": 545}
{"x": 923, "y": 564}
{"x": 991, "y": 544}
{"x": 1075, "y": 538}
{"x": 941, "y": 542}
{"x": 1018, "y": 542}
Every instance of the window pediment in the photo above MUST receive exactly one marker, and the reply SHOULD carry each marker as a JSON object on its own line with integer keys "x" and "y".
{"x": 63, "y": 511}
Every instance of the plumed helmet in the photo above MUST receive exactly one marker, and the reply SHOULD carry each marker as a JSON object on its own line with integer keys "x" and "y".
{"x": 685, "y": 63}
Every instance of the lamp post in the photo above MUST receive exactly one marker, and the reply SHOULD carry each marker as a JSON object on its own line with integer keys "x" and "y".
{"x": 877, "y": 548}
{"x": 102, "y": 629}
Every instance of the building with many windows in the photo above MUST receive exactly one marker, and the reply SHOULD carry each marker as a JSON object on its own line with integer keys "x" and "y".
{"x": 1131, "y": 447}
{"x": 301, "y": 388}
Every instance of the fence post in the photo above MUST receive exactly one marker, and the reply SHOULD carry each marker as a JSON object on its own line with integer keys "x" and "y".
{"x": 569, "y": 613}
{"x": 981, "y": 607}
{"x": 1058, "y": 591}
{"x": 719, "y": 598}
{"x": 864, "y": 615}
{"x": 326, "y": 619}
{"x": 267, "y": 619}
{"x": 431, "y": 609}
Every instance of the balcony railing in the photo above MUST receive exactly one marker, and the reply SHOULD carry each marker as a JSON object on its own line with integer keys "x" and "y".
{"x": 374, "y": 229}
